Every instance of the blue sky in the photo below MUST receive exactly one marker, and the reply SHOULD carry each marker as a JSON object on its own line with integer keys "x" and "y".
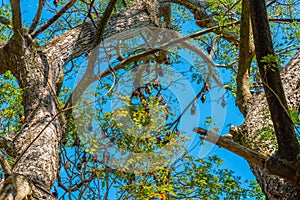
{"x": 228, "y": 115}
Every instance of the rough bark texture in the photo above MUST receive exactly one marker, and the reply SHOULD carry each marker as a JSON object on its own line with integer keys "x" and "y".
{"x": 253, "y": 134}
{"x": 35, "y": 146}
{"x": 36, "y": 154}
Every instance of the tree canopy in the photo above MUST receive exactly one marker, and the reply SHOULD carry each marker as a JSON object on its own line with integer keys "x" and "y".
{"x": 115, "y": 99}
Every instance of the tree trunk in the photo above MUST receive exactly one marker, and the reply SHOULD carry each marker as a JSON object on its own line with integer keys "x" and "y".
{"x": 35, "y": 146}
{"x": 258, "y": 134}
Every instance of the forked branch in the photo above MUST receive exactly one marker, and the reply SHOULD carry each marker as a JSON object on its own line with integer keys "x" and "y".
{"x": 53, "y": 19}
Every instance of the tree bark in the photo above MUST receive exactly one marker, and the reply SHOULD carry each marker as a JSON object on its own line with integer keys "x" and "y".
{"x": 35, "y": 146}
{"x": 288, "y": 146}
{"x": 246, "y": 49}
{"x": 258, "y": 124}
{"x": 255, "y": 134}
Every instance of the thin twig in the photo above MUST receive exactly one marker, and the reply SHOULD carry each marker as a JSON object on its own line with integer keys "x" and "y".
{"x": 53, "y": 19}
{"x": 37, "y": 16}
{"x": 287, "y": 20}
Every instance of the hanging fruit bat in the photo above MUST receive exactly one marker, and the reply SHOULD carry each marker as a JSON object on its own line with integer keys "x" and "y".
{"x": 205, "y": 87}
{"x": 156, "y": 83}
{"x": 203, "y": 98}
{"x": 83, "y": 159}
{"x": 160, "y": 71}
{"x": 95, "y": 158}
{"x": 76, "y": 141}
{"x": 148, "y": 89}
{"x": 55, "y": 2}
{"x": 167, "y": 62}
{"x": 223, "y": 103}
{"x": 136, "y": 93}
{"x": 193, "y": 109}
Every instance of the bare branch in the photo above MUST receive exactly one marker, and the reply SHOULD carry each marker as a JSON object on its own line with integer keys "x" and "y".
{"x": 227, "y": 143}
{"x": 81, "y": 38}
{"x": 273, "y": 165}
{"x": 16, "y": 16}
{"x": 53, "y": 19}
{"x": 103, "y": 22}
{"x": 285, "y": 20}
{"x": 37, "y": 16}
{"x": 207, "y": 59}
{"x": 85, "y": 82}
{"x": 202, "y": 19}
{"x": 90, "y": 78}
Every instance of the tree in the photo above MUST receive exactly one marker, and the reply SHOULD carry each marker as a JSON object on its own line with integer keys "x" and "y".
{"x": 33, "y": 63}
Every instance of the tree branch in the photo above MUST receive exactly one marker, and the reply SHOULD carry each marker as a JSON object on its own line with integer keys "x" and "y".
{"x": 53, "y": 19}
{"x": 202, "y": 19}
{"x": 227, "y": 143}
{"x": 4, "y": 164}
{"x": 103, "y": 22}
{"x": 80, "y": 39}
{"x": 37, "y": 16}
{"x": 207, "y": 59}
{"x": 245, "y": 58}
{"x": 273, "y": 165}
{"x": 16, "y": 17}
{"x": 286, "y": 20}
{"x": 7, "y": 145}
{"x": 89, "y": 78}
{"x": 288, "y": 146}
